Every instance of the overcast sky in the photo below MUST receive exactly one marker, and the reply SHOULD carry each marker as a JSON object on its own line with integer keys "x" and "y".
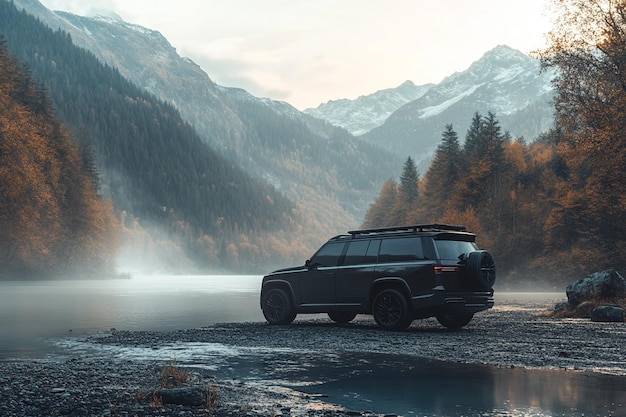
{"x": 307, "y": 52}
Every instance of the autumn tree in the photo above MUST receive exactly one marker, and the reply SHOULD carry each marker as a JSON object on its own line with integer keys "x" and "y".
{"x": 51, "y": 217}
{"x": 380, "y": 212}
{"x": 588, "y": 48}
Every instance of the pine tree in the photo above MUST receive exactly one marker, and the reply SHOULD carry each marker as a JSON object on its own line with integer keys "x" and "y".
{"x": 443, "y": 173}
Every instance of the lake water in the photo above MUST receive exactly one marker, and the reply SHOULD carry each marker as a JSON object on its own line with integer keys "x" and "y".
{"x": 33, "y": 312}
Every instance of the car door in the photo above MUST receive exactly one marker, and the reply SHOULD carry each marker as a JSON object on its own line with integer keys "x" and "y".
{"x": 317, "y": 285}
{"x": 356, "y": 273}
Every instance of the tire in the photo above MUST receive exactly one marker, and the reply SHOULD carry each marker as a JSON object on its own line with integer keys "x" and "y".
{"x": 454, "y": 320}
{"x": 481, "y": 268}
{"x": 277, "y": 307}
{"x": 341, "y": 316}
{"x": 391, "y": 310}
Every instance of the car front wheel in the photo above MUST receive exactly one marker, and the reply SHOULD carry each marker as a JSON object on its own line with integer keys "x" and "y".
{"x": 277, "y": 307}
{"x": 391, "y": 310}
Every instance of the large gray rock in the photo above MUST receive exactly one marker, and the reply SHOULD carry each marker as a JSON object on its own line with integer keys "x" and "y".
{"x": 182, "y": 396}
{"x": 608, "y": 313}
{"x": 605, "y": 285}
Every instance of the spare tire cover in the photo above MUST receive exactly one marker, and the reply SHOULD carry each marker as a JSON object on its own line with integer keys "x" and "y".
{"x": 481, "y": 268}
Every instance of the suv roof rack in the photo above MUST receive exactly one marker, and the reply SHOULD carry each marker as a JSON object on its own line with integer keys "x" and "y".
{"x": 410, "y": 228}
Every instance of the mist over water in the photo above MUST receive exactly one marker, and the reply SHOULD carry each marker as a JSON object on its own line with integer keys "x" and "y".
{"x": 30, "y": 312}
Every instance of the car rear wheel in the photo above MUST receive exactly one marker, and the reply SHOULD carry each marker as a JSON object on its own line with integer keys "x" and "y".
{"x": 454, "y": 320}
{"x": 341, "y": 316}
{"x": 277, "y": 307}
{"x": 482, "y": 269}
{"x": 391, "y": 310}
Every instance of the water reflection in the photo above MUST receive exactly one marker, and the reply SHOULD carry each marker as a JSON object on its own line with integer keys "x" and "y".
{"x": 410, "y": 386}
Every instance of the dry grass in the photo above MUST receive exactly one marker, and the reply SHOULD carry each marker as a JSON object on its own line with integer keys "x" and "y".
{"x": 584, "y": 309}
{"x": 172, "y": 376}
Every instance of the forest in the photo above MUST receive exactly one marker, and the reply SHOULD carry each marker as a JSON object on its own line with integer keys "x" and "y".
{"x": 175, "y": 197}
{"x": 52, "y": 219}
{"x": 554, "y": 210}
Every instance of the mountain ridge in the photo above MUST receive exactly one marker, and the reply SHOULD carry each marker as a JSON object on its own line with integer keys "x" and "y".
{"x": 503, "y": 81}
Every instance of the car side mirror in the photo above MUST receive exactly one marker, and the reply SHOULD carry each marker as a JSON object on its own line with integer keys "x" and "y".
{"x": 307, "y": 263}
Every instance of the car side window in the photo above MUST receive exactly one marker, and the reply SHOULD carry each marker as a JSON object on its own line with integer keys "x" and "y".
{"x": 398, "y": 250}
{"x": 356, "y": 252}
{"x": 328, "y": 255}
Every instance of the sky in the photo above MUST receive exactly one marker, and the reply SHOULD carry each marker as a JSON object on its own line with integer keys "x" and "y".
{"x": 307, "y": 52}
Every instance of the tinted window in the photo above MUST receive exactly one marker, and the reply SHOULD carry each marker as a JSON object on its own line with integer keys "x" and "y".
{"x": 451, "y": 249}
{"x": 372, "y": 252}
{"x": 405, "y": 249}
{"x": 328, "y": 255}
{"x": 356, "y": 252}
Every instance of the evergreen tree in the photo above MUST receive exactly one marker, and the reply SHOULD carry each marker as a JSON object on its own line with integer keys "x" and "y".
{"x": 409, "y": 181}
{"x": 443, "y": 173}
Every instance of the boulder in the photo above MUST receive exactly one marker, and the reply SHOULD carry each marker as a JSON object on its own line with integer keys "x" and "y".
{"x": 192, "y": 396}
{"x": 584, "y": 309}
{"x": 604, "y": 285}
{"x": 608, "y": 313}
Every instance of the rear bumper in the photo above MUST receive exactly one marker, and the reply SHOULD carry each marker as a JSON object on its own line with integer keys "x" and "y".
{"x": 469, "y": 302}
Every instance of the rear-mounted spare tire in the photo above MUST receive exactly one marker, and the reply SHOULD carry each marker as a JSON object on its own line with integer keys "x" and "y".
{"x": 481, "y": 268}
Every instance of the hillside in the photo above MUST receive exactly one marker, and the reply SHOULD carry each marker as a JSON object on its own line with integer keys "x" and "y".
{"x": 161, "y": 176}
{"x": 324, "y": 169}
{"x": 52, "y": 221}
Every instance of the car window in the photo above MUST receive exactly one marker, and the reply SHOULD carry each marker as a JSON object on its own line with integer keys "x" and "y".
{"x": 372, "y": 252}
{"x": 397, "y": 250}
{"x": 356, "y": 252}
{"x": 451, "y": 249}
{"x": 328, "y": 255}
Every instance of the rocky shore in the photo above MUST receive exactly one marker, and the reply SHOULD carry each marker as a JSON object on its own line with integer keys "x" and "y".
{"x": 513, "y": 334}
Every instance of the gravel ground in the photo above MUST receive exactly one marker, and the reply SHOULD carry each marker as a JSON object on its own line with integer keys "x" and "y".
{"x": 513, "y": 334}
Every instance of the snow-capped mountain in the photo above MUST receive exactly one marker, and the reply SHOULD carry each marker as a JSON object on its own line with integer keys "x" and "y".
{"x": 367, "y": 112}
{"x": 504, "y": 81}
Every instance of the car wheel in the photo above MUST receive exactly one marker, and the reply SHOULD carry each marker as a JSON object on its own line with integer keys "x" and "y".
{"x": 341, "y": 316}
{"x": 453, "y": 320}
{"x": 391, "y": 310}
{"x": 482, "y": 268}
{"x": 277, "y": 307}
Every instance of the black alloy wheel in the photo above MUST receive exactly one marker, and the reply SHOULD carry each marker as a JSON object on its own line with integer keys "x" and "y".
{"x": 391, "y": 310}
{"x": 277, "y": 307}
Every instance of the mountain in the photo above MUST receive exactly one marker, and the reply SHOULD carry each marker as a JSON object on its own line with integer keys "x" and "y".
{"x": 323, "y": 168}
{"x": 163, "y": 179}
{"x": 504, "y": 81}
{"x": 367, "y": 112}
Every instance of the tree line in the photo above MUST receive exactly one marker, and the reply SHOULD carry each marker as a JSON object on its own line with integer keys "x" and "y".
{"x": 554, "y": 209}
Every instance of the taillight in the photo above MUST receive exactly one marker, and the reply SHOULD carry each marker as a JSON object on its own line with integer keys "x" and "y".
{"x": 440, "y": 268}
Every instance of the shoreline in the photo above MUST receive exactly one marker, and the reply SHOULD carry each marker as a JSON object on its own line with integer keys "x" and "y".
{"x": 115, "y": 374}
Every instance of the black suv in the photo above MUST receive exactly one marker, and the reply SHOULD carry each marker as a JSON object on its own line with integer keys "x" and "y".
{"x": 397, "y": 274}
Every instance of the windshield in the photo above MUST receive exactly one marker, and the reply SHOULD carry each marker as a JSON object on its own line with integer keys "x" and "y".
{"x": 451, "y": 249}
